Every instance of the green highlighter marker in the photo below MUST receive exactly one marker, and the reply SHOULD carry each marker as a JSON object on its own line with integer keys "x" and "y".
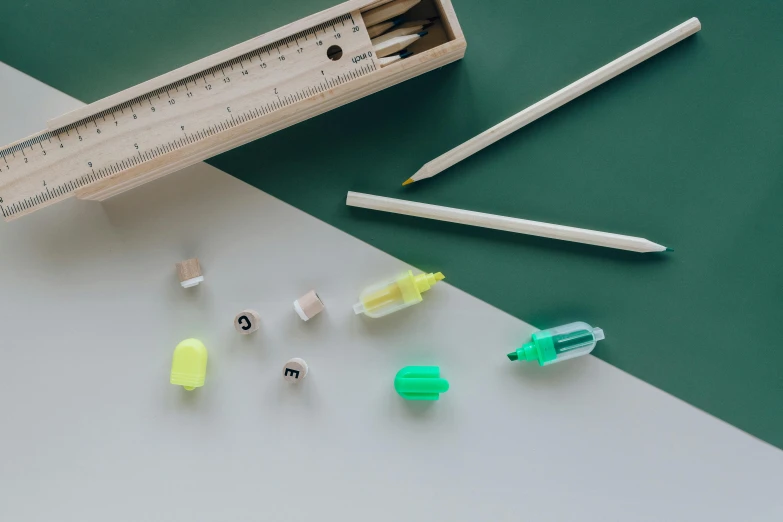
{"x": 559, "y": 344}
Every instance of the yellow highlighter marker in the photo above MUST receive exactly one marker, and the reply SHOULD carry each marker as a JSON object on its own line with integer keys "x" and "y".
{"x": 391, "y": 296}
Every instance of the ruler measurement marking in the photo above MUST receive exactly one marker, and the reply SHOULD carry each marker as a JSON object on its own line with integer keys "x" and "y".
{"x": 251, "y": 113}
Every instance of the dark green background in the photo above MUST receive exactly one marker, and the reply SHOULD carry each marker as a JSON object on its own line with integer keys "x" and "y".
{"x": 685, "y": 150}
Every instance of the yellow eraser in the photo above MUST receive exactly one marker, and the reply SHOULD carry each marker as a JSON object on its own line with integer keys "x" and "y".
{"x": 189, "y": 364}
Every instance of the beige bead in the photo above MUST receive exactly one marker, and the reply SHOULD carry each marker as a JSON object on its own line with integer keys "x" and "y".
{"x": 189, "y": 272}
{"x": 247, "y": 321}
{"x": 308, "y": 306}
{"x": 295, "y": 370}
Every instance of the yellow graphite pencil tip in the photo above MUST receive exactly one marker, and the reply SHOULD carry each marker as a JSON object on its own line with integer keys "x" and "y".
{"x": 407, "y": 182}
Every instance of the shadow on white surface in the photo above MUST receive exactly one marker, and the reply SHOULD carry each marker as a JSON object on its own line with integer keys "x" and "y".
{"x": 92, "y": 311}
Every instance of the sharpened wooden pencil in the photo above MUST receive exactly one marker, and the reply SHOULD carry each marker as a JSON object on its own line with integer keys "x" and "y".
{"x": 388, "y": 60}
{"x": 379, "y": 29}
{"x": 508, "y": 224}
{"x": 396, "y": 44}
{"x": 402, "y": 31}
{"x": 556, "y": 100}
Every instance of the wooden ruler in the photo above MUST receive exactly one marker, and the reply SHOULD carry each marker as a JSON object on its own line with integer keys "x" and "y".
{"x": 187, "y": 115}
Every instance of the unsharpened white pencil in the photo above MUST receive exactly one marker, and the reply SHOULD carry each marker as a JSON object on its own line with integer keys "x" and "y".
{"x": 396, "y": 44}
{"x": 508, "y": 224}
{"x": 556, "y": 100}
{"x": 402, "y": 31}
{"x": 387, "y": 11}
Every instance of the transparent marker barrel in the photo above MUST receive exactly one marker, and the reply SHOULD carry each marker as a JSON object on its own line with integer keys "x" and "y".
{"x": 391, "y": 296}
{"x": 559, "y": 344}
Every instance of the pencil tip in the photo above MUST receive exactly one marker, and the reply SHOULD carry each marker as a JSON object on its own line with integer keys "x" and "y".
{"x": 669, "y": 249}
{"x": 424, "y": 33}
{"x": 407, "y": 182}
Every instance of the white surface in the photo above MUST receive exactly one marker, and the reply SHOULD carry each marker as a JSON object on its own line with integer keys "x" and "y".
{"x": 92, "y": 429}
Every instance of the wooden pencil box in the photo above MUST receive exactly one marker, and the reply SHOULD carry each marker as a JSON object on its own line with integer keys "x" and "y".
{"x": 126, "y": 139}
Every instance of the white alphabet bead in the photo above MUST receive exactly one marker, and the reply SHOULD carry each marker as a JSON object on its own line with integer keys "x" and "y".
{"x": 247, "y": 321}
{"x": 295, "y": 370}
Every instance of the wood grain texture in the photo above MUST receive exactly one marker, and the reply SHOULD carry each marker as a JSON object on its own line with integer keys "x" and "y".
{"x": 205, "y": 63}
{"x": 379, "y": 29}
{"x": 416, "y": 65}
{"x": 95, "y": 162}
{"x": 387, "y": 11}
{"x": 188, "y": 269}
{"x": 308, "y": 306}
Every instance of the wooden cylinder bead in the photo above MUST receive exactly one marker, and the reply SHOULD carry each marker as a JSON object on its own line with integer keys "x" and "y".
{"x": 247, "y": 321}
{"x": 295, "y": 370}
{"x": 189, "y": 272}
{"x": 308, "y": 306}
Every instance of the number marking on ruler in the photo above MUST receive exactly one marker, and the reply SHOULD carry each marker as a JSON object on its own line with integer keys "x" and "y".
{"x": 157, "y": 126}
